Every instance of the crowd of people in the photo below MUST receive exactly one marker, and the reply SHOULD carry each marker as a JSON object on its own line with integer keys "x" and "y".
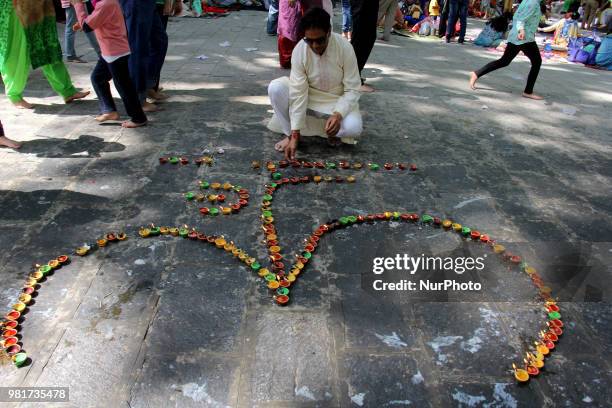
{"x": 320, "y": 96}
{"x": 128, "y": 36}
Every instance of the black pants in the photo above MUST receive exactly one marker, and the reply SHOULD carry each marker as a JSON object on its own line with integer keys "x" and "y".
{"x": 443, "y": 18}
{"x": 365, "y": 15}
{"x": 532, "y": 52}
{"x": 119, "y": 72}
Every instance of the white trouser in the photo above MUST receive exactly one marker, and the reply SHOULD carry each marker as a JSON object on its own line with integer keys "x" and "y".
{"x": 278, "y": 91}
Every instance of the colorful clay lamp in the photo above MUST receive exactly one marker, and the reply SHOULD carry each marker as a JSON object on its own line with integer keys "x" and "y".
{"x": 357, "y": 166}
{"x": 374, "y": 166}
{"x": 63, "y": 259}
{"x": 82, "y": 251}
{"x": 174, "y": 232}
{"x": 45, "y": 269}
{"x": 413, "y": 167}
{"x": 282, "y": 291}
{"x": 25, "y": 298}
{"x": 465, "y": 231}
{"x": 102, "y": 242}
{"x": 189, "y": 196}
{"x": 499, "y": 249}
{"x": 204, "y": 185}
{"x": 20, "y": 359}
{"x": 214, "y": 211}
{"x": 173, "y": 160}
{"x": 521, "y": 375}
{"x": 426, "y": 219}
{"x": 53, "y": 264}
{"x": 122, "y": 236}
{"x": 9, "y": 333}
{"x": 220, "y": 242}
{"x": 532, "y": 370}
{"x": 215, "y": 186}
{"x": 273, "y": 285}
{"x": 554, "y": 315}
{"x": 183, "y": 232}
{"x": 282, "y": 300}
{"x": 11, "y": 324}
{"x": 12, "y": 350}
{"x": 144, "y": 232}
{"x": 37, "y": 275}
{"x": 10, "y": 341}
{"x": 541, "y": 348}
{"x": 19, "y": 306}
{"x": 447, "y": 223}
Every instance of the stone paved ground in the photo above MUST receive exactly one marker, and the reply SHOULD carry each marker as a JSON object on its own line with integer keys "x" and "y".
{"x": 158, "y": 323}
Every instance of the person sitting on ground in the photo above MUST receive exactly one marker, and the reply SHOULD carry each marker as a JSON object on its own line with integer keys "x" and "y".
{"x": 564, "y": 29}
{"x": 109, "y": 26}
{"x": 6, "y": 142}
{"x": 321, "y": 95}
{"x": 493, "y": 32}
{"x": 414, "y": 14}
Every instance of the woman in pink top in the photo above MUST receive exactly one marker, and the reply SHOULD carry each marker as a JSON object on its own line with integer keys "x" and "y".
{"x": 108, "y": 24}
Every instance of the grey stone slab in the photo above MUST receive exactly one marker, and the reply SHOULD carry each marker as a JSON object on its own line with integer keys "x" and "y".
{"x": 462, "y": 337}
{"x": 501, "y": 394}
{"x": 385, "y": 381}
{"x": 186, "y": 380}
{"x": 301, "y": 370}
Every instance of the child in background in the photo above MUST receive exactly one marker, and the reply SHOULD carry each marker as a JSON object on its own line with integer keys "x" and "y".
{"x": 493, "y": 32}
{"x": 108, "y": 24}
{"x": 434, "y": 9}
{"x": 414, "y": 14}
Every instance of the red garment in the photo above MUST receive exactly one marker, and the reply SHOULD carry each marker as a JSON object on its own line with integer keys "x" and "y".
{"x": 285, "y": 49}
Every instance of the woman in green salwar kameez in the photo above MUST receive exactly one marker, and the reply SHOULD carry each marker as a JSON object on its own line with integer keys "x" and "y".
{"x": 28, "y": 37}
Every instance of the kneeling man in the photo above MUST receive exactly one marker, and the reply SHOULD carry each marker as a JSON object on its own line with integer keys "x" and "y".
{"x": 320, "y": 98}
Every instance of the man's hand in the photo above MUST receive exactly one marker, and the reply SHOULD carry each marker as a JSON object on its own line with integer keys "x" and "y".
{"x": 332, "y": 126}
{"x": 291, "y": 148}
{"x": 521, "y": 34}
{"x": 76, "y": 27}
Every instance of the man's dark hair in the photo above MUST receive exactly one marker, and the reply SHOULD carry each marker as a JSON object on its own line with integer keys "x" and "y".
{"x": 315, "y": 18}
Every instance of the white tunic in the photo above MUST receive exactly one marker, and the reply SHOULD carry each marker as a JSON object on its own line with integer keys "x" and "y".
{"x": 325, "y": 83}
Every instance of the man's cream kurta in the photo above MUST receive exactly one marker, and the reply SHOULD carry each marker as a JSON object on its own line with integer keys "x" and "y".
{"x": 324, "y": 84}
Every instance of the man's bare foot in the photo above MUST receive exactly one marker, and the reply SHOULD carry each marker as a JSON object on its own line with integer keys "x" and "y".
{"x": 5, "y": 141}
{"x": 130, "y": 125}
{"x": 366, "y": 88}
{"x": 473, "y": 79}
{"x": 107, "y": 116}
{"x": 23, "y": 104}
{"x": 157, "y": 95}
{"x": 532, "y": 96}
{"x": 78, "y": 95}
{"x": 280, "y": 146}
{"x": 150, "y": 107}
